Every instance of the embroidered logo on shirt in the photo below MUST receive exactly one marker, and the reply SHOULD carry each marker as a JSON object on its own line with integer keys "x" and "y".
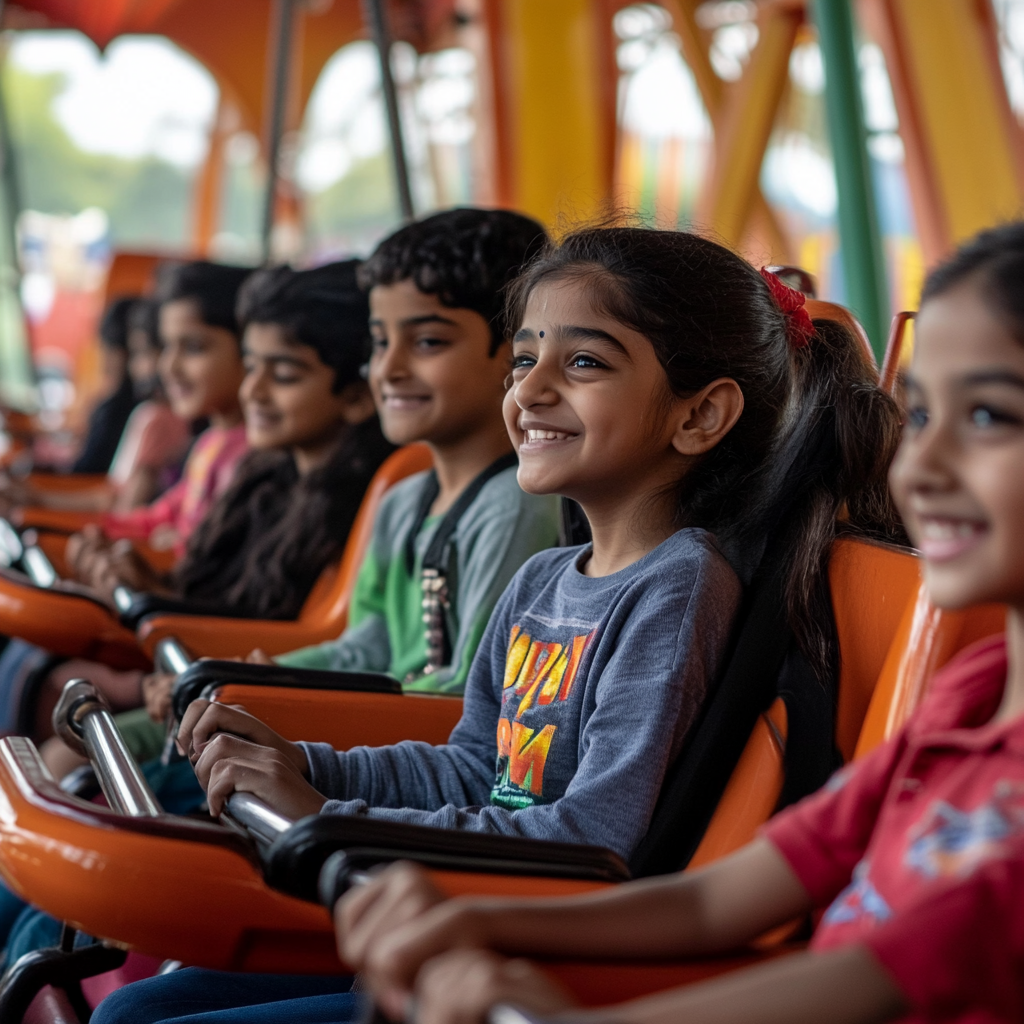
{"x": 859, "y": 899}
{"x": 537, "y": 673}
{"x": 950, "y": 842}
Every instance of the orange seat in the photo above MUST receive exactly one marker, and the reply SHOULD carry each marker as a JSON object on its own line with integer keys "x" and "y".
{"x": 325, "y": 613}
{"x": 74, "y": 625}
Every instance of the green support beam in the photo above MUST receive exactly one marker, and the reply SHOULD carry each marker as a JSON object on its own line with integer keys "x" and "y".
{"x": 859, "y": 234}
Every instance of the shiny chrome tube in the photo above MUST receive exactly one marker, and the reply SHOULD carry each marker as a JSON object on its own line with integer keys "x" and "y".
{"x": 171, "y": 657}
{"x": 83, "y": 720}
{"x": 257, "y": 817}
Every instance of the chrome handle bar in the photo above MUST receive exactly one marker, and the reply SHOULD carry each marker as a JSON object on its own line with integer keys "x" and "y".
{"x": 83, "y": 720}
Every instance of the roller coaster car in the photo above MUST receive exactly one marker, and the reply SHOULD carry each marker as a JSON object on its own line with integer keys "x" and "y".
{"x": 138, "y": 887}
{"x": 133, "y": 879}
{"x": 70, "y": 621}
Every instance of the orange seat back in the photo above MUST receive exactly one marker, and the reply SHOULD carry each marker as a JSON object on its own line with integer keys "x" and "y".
{"x": 871, "y": 586}
{"x": 927, "y": 639}
{"x": 818, "y": 309}
{"x": 131, "y": 273}
{"x": 328, "y": 602}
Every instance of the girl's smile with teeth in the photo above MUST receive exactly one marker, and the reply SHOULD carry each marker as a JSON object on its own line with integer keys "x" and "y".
{"x": 943, "y": 539}
{"x": 545, "y": 435}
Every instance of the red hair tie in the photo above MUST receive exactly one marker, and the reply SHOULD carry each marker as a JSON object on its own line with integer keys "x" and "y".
{"x": 799, "y": 326}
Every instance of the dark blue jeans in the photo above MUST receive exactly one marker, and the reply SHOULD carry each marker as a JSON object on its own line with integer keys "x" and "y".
{"x": 195, "y": 996}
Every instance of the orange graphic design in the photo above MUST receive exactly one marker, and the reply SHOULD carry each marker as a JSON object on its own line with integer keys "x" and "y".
{"x": 542, "y": 673}
{"x": 538, "y": 673}
{"x": 527, "y": 753}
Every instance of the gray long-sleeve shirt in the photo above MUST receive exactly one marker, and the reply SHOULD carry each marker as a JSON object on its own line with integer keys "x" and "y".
{"x": 580, "y": 696}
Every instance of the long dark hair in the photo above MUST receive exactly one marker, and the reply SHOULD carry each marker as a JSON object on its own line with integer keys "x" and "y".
{"x": 268, "y": 538}
{"x": 816, "y": 434}
{"x": 213, "y": 287}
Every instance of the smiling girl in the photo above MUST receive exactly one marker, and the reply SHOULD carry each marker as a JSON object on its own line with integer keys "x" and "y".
{"x": 652, "y": 376}
{"x": 917, "y": 849}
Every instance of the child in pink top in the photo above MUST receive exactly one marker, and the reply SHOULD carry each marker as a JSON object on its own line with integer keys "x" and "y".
{"x": 917, "y": 850}
{"x": 169, "y": 521}
{"x": 200, "y": 369}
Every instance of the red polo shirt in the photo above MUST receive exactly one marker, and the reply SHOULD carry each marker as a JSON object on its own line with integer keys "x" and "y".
{"x": 917, "y": 849}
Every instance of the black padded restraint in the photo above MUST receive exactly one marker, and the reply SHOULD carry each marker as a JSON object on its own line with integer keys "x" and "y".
{"x": 695, "y": 782}
{"x": 433, "y": 557}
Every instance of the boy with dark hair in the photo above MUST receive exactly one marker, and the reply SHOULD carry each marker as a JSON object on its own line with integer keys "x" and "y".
{"x": 455, "y": 536}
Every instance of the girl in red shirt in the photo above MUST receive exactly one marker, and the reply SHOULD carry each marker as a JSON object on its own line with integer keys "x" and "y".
{"x": 917, "y": 850}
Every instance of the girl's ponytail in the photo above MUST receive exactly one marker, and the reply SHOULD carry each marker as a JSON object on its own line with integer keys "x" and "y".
{"x": 829, "y": 478}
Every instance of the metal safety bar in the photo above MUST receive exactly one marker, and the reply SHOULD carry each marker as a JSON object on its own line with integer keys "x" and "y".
{"x": 83, "y": 720}
{"x": 38, "y": 567}
{"x": 11, "y": 548}
{"x": 170, "y": 656}
{"x": 257, "y": 817}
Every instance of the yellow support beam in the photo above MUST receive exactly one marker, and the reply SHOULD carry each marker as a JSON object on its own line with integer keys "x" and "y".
{"x": 963, "y": 143}
{"x": 553, "y": 98}
{"x": 713, "y": 92}
{"x": 745, "y": 127}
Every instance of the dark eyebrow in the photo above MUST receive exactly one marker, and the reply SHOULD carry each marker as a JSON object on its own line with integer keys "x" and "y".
{"x": 1014, "y": 380}
{"x": 416, "y": 321}
{"x": 573, "y": 332}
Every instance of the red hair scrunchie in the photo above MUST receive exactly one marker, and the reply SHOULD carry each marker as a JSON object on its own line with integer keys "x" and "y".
{"x": 799, "y": 326}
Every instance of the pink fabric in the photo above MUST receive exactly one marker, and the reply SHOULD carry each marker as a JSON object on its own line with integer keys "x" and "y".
{"x": 208, "y": 473}
{"x": 919, "y": 848}
{"x": 153, "y": 439}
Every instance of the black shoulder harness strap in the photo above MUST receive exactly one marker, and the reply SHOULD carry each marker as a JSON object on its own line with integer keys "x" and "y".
{"x": 433, "y": 571}
{"x": 433, "y": 558}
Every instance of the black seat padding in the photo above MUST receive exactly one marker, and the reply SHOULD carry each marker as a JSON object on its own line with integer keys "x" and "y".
{"x": 144, "y": 605}
{"x": 211, "y": 673}
{"x": 293, "y": 861}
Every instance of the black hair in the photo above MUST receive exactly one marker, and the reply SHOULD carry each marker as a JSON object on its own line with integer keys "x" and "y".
{"x": 995, "y": 260}
{"x": 816, "y": 433}
{"x": 266, "y": 540}
{"x": 465, "y": 257}
{"x": 113, "y": 329}
{"x": 213, "y": 287}
{"x": 144, "y": 317}
{"x": 322, "y": 308}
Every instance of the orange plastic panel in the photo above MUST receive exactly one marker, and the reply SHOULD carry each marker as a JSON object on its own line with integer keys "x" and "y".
{"x": 58, "y": 520}
{"x": 66, "y": 624}
{"x": 325, "y": 612}
{"x": 346, "y": 719}
{"x": 63, "y": 482}
{"x": 871, "y": 586}
{"x": 753, "y": 790}
{"x": 927, "y": 639}
{"x": 199, "y": 900}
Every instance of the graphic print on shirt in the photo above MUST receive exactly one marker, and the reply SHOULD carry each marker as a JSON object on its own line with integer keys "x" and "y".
{"x": 859, "y": 899}
{"x": 950, "y": 842}
{"x": 538, "y": 673}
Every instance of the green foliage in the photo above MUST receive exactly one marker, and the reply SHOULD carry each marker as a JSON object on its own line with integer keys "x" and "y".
{"x": 357, "y": 209}
{"x": 147, "y": 200}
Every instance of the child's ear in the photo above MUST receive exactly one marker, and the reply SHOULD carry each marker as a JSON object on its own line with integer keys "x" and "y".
{"x": 706, "y": 417}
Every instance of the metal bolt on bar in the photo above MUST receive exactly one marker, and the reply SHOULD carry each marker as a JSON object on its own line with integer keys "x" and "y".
{"x": 83, "y": 720}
